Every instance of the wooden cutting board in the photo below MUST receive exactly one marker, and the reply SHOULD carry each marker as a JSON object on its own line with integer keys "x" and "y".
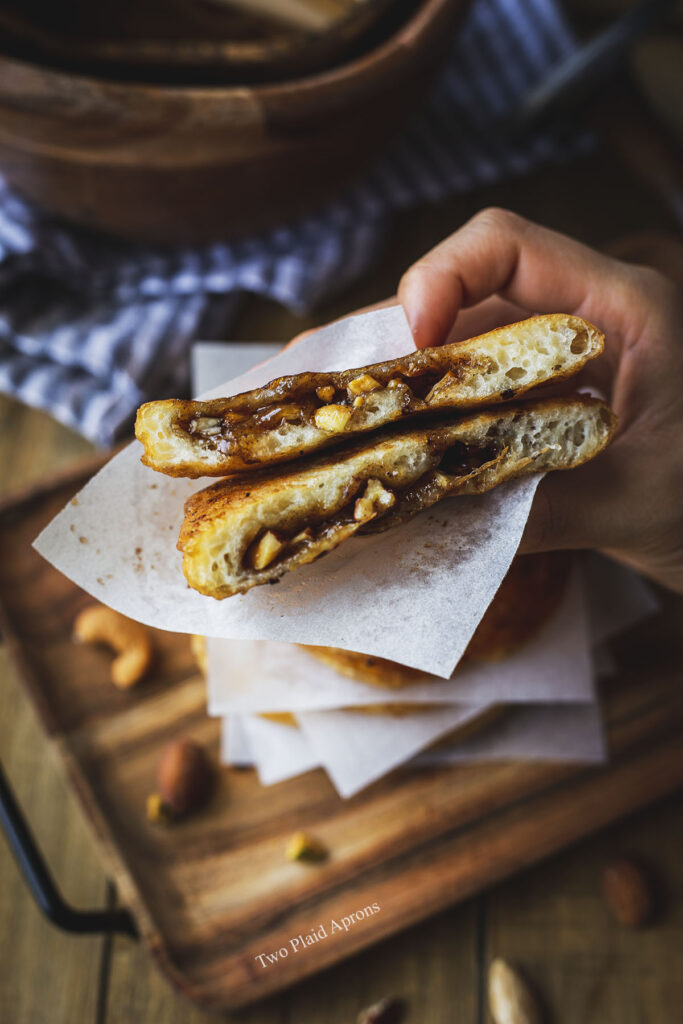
{"x": 214, "y": 897}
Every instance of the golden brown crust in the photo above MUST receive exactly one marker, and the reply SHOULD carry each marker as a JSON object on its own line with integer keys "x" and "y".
{"x": 309, "y": 508}
{"x": 278, "y": 422}
{"x": 365, "y": 668}
{"x": 527, "y": 598}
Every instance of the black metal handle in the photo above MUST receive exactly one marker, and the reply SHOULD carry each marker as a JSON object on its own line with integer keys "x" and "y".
{"x": 40, "y": 882}
{"x": 576, "y": 80}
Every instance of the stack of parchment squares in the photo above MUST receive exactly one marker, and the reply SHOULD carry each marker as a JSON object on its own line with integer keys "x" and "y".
{"x": 525, "y": 688}
{"x": 312, "y": 460}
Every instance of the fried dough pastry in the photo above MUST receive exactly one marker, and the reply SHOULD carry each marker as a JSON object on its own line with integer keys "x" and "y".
{"x": 252, "y": 529}
{"x": 296, "y": 415}
{"x": 526, "y": 599}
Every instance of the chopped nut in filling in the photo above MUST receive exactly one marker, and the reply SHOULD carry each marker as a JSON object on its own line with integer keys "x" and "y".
{"x": 206, "y": 425}
{"x": 441, "y": 479}
{"x": 361, "y": 385}
{"x": 288, "y": 412}
{"x": 376, "y": 499}
{"x": 375, "y": 502}
{"x": 332, "y": 418}
{"x": 262, "y": 553}
{"x": 445, "y": 382}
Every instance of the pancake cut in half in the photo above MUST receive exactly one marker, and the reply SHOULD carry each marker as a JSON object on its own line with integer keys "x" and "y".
{"x": 252, "y": 529}
{"x": 296, "y": 415}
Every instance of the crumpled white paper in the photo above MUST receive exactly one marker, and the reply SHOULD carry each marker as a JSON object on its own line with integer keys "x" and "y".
{"x": 553, "y": 666}
{"x": 414, "y": 594}
{"x": 356, "y": 749}
{"x": 278, "y": 751}
{"x": 569, "y": 733}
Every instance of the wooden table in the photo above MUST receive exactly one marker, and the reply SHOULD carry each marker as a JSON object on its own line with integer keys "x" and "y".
{"x": 551, "y": 920}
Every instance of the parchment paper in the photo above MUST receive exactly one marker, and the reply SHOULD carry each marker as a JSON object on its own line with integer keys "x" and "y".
{"x": 415, "y": 593}
{"x": 550, "y": 732}
{"x": 357, "y": 749}
{"x": 277, "y": 751}
{"x": 554, "y": 666}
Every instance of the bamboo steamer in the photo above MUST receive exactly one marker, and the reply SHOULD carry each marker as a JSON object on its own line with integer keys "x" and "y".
{"x": 190, "y": 164}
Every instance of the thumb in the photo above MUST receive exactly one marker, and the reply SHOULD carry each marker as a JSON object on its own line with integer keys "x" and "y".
{"x": 576, "y": 510}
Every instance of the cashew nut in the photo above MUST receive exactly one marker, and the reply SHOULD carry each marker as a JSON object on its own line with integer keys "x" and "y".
{"x": 132, "y": 642}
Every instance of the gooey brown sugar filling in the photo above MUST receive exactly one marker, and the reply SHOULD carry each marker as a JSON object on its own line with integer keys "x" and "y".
{"x": 273, "y": 546}
{"x": 212, "y": 430}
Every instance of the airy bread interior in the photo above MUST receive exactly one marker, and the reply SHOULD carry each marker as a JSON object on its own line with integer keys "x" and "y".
{"x": 249, "y": 530}
{"x": 305, "y": 412}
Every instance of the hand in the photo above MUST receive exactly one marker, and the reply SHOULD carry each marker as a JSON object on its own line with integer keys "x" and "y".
{"x": 628, "y": 502}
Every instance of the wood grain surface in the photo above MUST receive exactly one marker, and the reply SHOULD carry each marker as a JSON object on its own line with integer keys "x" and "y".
{"x": 551, "y": 918}
{"x": 184, "y": 163}
{"x": 213, "y": 896}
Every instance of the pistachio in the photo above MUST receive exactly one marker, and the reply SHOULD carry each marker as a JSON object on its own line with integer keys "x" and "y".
{"x": 303, "y": 846}
{"x": 156, "y": 810}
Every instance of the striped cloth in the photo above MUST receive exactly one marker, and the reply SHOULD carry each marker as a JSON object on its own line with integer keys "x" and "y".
{"x": 89, "y": 328}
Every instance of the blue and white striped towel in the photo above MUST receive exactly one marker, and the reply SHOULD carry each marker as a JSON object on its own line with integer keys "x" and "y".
{"x": 90, "y": 329}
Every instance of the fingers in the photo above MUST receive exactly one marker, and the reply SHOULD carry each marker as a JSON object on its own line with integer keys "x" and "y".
{"x": 485, "y": 316}
{"x": 499, "y": 253}
{"x": 578, "y": 509}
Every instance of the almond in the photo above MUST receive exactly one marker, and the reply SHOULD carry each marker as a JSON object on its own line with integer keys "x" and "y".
{"x": 387, "y": 1011}
{"x": 510, "y": 998}
{"x": 628, "y": 892}
{"x": 184, "y": 776}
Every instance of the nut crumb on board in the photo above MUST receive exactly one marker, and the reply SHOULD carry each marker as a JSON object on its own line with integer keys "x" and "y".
{"x": 157, "y": 810}
{"x": 303, "y": 846}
